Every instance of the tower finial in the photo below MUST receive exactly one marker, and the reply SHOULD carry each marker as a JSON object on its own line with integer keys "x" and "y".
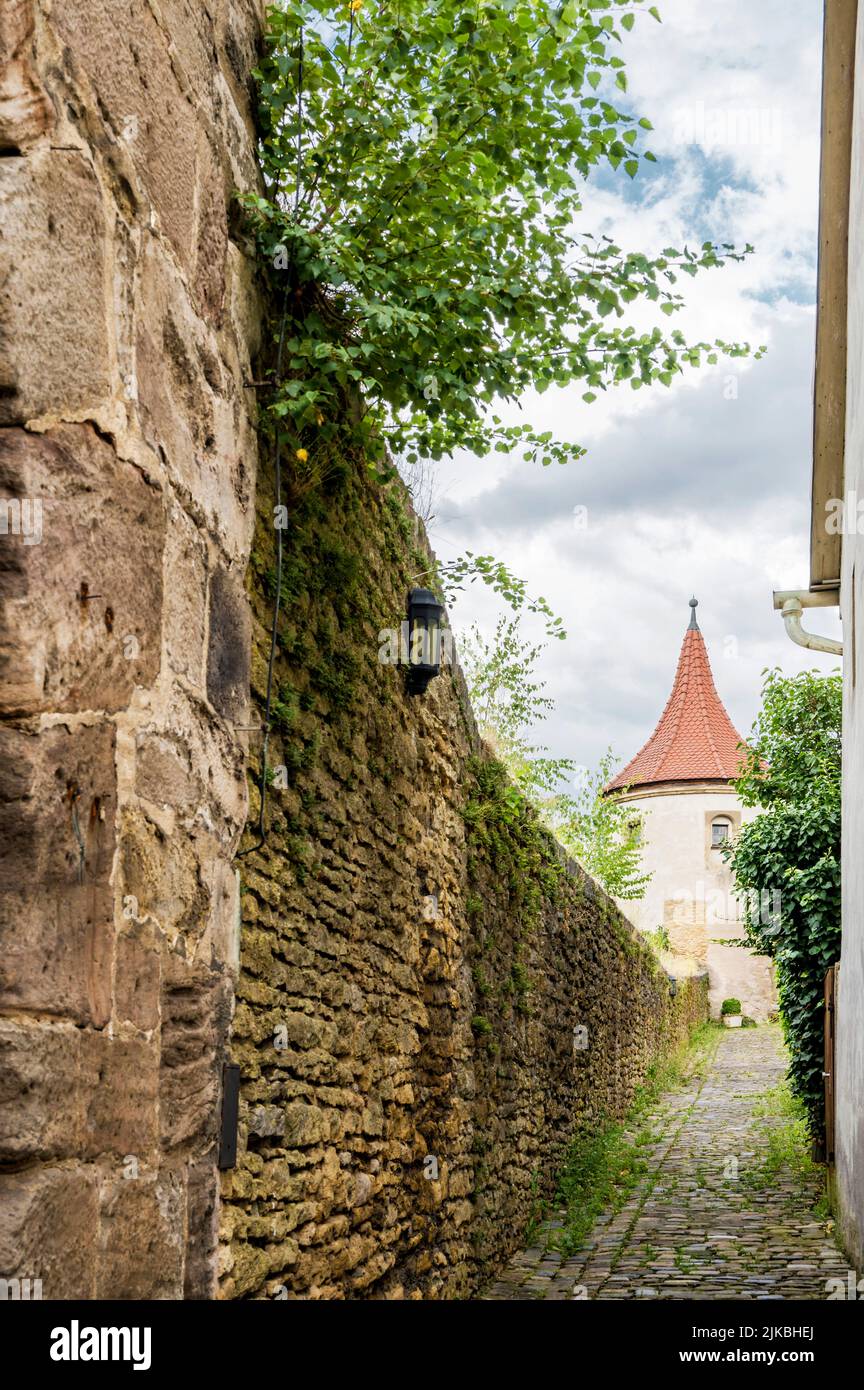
{"x": 694, "y": 604}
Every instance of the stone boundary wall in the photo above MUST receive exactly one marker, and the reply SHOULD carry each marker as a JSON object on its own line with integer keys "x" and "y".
{"x": 432, "y": 1000}
{"x": 128, "y": 319}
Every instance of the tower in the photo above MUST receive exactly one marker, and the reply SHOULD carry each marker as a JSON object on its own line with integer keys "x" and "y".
{"x": 681, "y": 782}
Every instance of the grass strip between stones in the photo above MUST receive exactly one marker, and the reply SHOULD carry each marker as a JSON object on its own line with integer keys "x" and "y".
{"x": 603, "y": 1168}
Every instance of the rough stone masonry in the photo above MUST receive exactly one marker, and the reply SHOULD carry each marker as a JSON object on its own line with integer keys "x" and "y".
{"x": 429, "y": 1000}
{"x": 129, "y": 316}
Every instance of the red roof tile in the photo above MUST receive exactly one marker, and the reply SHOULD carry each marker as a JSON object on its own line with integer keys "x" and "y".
{"x": 695, "y": 740}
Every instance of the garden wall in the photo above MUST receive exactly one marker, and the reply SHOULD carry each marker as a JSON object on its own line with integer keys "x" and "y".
{"x": 432, "y": 999}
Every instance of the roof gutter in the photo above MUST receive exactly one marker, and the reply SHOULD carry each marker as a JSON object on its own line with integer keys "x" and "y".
{"x": 792, "y": 602}
{"x": 840, "y": 24}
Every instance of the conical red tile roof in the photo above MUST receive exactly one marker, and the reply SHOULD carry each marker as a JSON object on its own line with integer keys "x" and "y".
{"x": 695, "y": 740}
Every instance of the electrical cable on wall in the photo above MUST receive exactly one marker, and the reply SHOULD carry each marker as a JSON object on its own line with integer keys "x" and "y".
{"x": 262, "y": 787}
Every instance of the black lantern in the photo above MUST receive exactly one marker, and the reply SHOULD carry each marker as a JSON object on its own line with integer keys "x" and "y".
{"x": 424, "y": 639}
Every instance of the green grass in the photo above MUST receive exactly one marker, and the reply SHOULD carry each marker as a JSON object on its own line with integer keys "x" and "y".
{"x": 603, "y": 1167}
{"x": 780, "y": 1119}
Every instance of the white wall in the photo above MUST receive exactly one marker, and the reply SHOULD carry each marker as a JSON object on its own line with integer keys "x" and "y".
{"x": 849, "y": 1079}
{"x": 691, "y": 893}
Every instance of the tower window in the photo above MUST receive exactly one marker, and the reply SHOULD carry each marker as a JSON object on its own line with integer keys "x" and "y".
{"x": 721, "y": 829}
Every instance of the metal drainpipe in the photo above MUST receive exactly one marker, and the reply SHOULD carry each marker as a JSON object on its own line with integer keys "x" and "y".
{"x": 791, "y": 604}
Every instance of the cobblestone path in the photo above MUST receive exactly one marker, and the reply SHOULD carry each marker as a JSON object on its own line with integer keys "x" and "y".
{"x": 714, "y": 1216}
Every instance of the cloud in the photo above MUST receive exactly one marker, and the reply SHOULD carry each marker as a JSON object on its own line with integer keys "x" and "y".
{"x": 703, "y": 488}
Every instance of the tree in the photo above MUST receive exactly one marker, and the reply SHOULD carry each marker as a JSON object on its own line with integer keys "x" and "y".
{"x": 786, "y": 861}
{"x": 603, "y": 833}
{"x": 424, "y": 163}
{"x": 508, "y": 700}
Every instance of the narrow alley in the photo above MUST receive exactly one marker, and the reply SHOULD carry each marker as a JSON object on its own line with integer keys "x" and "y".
{"x": 728, "y": 1206}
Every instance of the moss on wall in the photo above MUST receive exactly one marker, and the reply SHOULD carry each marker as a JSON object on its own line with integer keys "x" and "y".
{"x": 431, "y": 996}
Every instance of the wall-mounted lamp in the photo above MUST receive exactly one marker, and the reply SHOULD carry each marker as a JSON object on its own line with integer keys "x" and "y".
{"x": 424, "y": 639}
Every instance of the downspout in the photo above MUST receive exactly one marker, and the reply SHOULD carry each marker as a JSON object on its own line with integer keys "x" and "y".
{"x": 791, "y": 604}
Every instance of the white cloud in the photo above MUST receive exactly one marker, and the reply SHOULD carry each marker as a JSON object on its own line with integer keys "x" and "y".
{"x": 686, "y": 489}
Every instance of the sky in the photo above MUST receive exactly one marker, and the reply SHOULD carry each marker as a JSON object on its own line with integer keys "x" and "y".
{"x": 702, "y": 489}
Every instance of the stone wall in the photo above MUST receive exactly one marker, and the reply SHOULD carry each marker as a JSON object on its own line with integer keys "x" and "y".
{"x": 431, "y": 1001}
{"x": 127, "y": 468}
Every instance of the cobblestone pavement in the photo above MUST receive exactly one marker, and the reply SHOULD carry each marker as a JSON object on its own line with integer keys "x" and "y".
{"x": 703, "y": 1223}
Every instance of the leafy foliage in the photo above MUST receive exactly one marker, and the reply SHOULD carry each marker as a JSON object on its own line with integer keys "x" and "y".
{"x": 424, "y": 166}
{"x": 792, "y": 771}
{"x": 508, "y": 701}
{"x": 501, "y": 580}
{"x": 603, "y": 833}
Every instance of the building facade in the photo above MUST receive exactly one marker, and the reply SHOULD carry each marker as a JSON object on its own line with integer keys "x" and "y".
{"x": 680, "y": 783}
{"x": 837, "y": 570}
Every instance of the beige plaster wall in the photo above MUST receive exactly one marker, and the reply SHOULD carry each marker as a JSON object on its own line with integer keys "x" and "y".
{"x": 691, "y": 892}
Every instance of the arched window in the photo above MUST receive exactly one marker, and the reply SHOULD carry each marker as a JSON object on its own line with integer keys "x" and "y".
{"x": 721, "y": 829}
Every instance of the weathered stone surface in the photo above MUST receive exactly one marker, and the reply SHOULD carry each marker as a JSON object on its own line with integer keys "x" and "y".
{"x": 410, "y": 990}
{"x": 143, "y": 102}
{"x": 228, "y": 654}
{"x": 47, "y": 1220}
{"x": 184, "y": 616}
{"x": 25, "y": 111}
{"x": 41, "y": 1111}
{"x": 137, "y": 972}
{"x": 57, "y": 810}
{"x": 202, "y": 1224}
{"x": 52, "y": 287}
{"x": 195, "y": 1011}
{"x": 80, "y": 625}
{"x": 120, "y": 1087}
{"x": 129, "y": 319}
{"x": 141, "y": 1237}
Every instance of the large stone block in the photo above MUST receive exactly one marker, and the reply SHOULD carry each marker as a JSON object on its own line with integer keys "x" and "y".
{"x": 25, "y": 111}
{"x": 192, "y": 408}
{"x": 48, "y": 1229}
{"x": 53, "y": 288}
{"x": 137, "y": 973}
{"x": 40, "y": 1093}
{"x": 161, "y": 877}
{"x": 202, "y": 1224}
{"x": 196, "y": 1006}
{"x": 185, "y": 602}
{"x": 81, "y": 608}
{"x": 141, "y": 1237}
{"x": 120, "y": 1096}
{"x": 123, "y": 54}
{"x": 57, "y": 813}
{"x": 230, "y": 639}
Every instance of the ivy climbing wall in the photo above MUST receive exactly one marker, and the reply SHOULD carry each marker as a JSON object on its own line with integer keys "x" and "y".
{"x": 431, "y": 999}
